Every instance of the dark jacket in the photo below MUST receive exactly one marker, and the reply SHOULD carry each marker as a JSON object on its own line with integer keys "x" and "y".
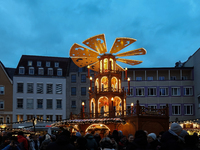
{"x": 153, "y": 145}
{"x": 62, "y": 143}
{"x": 139, "y": 143}
{"x": 170, "y": 141}
{"x": 91, "y": 142}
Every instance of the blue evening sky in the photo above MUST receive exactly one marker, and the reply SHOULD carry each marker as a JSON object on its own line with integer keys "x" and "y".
{"x": 168, "y": 29}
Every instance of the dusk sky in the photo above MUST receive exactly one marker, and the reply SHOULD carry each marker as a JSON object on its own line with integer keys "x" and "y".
{"x": 168, "y": 29}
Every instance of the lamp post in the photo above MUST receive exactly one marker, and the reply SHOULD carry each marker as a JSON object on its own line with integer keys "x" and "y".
{"x": 83, "y": 109}
{"x": 128, "y": 86}
{"x": 132, "y": 108}
{"x": 125, "y": 73}
{"x": 112, "y": 99}
{"x": 91, "y": 82}
{"x": 88, "y": 71}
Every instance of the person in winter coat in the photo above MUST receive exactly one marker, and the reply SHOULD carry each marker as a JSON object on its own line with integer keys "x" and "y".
{"x": 130, "y": 141}
{"x": 45, "y": 142}
{"x": 14, "y": 144}
{"x": 106, "y": 144}
{"x": 81, "y": 143}
{"x": 22, "y": 139}
{"x": 5, "y": 142}
{"x": 153, "y": 143}
{"x": 170, "y": 139}
{"x": 62, "y": 142}
{"x": 91, "y": 142}
{"x": 97, "y": 137}
{"x": 34, "y": 143}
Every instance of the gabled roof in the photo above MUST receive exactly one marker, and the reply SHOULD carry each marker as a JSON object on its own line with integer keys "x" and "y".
{"x": 8, "y": 71}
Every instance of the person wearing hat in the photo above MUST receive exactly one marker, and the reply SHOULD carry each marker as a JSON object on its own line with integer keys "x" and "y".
{"x": 152, "y": 141}
{"x": 170, "y": 139}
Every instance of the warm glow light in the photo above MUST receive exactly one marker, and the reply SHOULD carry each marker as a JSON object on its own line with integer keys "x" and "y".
{"x": 88, "y": 66}
{"x": 83, "y": 103}
{"x": 90, "y": 78}
{"x": 112, "y": 99}
{"x": 89, "y": 88}
{"x": 128, "y": 79}
{"x": 124, "y": 100}
{"x": 131, "y": 104}
{"x": 125, "y": 68}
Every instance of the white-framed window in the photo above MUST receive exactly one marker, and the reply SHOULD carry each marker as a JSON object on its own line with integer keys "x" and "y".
{"x": 176, "y": 109}
{"x": 39, "y": 103}
{"x": 19, "y": 118}
{"x": 176, "y": 91}
{"x": 40, "y": 71}
{"x": 58, "y": 117}
{"x": 73, "y": 104}
{"x": 162, "y": 106}
{"x": 31, "y": 70}
{"x": 49, "y": 88}
{"x": 139, "y": 91}
{"x": 152, "y": 107}
{"x": 59, "y": 104}
{"x": 50, "y": 71}
{"x": 29, "y": 104}
{"x": 20, "y": 87}
{"x": 188, "y": 109}
{"x": 29, "y": 87}
{"x": 1, "y": 119}
{"x": 7, "y": 119}
{"x": 19, "y": 103}
{"x": 188, "y": 91}
{"x": 131, "y": 91}
{"x": 39, "y": 88}
{"x": 49, "y": 117}
{"x": 58, "y": 88}
{"x": 49, "y": 104}
{"x": 1, "y": 104}
{"x": 173, "y": 78}
{"x": 59, "y": 72}
{"x": 48, "y": 64}
{"x": 39, "y": 63}
{"x": 152, "y": 91}
{"x": 184, "y": 77}
{"x": 30, "y": 63}
{"x": 150, "y": 78}
{"x": 138, "y": 78}
{"x": 161, "y": 78}
{"x": 2, "y": 90}
{"x": 21, "y": 70}
{"x": 164, "y": 91}
{"x": 56, "y": 64}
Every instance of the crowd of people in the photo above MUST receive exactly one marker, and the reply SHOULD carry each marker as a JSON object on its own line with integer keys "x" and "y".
{"x": 174, "y": 139}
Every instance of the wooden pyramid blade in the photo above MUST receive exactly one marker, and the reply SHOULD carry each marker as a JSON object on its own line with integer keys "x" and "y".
{"x": 129, "y": 61}
{"x": 82, "y": 62}
{"x": 139, "y": 51}
{"x": 119, "y": 68}
{"x": 97, "y": 43}
{"x": 95, "y": 66}
{"x": 121, "y": 43}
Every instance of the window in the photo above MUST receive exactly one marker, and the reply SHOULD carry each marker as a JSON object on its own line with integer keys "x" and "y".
{"x": 30, "y": 63}
{"x": 31, "y": 71}
{"x": 1, "y": 119}
{"x": 58, "y": 88}
{"x": 39, "y": 63}
{"x": 199, "y": 101}
{"x": 21, "y": 70}
{"x": 59, "y": 72}
{"x": 20, "y": 87}
{"x": 58, "y": 117}
{"x": 29, "y": 117}
{"x": 184, "y": 77}
{"x": 163, "y": 91}
{"x": 29, "y": 87}
{"x": 149, "y": 78}
{"x": 73, "y": 91}
{"x": 29, "y": 104}
{"x": 2, "y": 90}
{"x": 188, "y": 109}
{"x": 19, "y": 103}
{"x": 48, "y": 64}
{"x": 40, "y": 71}
{"x": 161, "y": 78}
{"x": 83, "y": 78}
{"x": 1, "y": 104}
{"x": 19, "y": 118}
{"x": 162, "y": 106}
{"x": 50, "y": 71}
{"x": 152, "y": 91}
{"x": 138, "y": 78}
{"x": 49, "y": 117}
{"x": 49, "y": 103}
{"x": 73, "y": 104}
{"x": 73, "y": 78}
{"x": 39, "y": 117}
{"x": 39, "y": 88}
{"x": 173, "y": 78}
{"x": 176, "y": 91}
{"x": 139, "y": 91}
{"x": 49, "y": 88}
{"x": 39, "y": 103}
{"x": 56, "y": 64}
{"x": 59, "y": 104}
{"x": 188, "y": 91}
{"x": 83, "y": 91}
{"x": 176, "y": 109}
{"x": 7, "y": 119}
{"x": 131, "y": 91}
{"x": 152, "y": 107}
